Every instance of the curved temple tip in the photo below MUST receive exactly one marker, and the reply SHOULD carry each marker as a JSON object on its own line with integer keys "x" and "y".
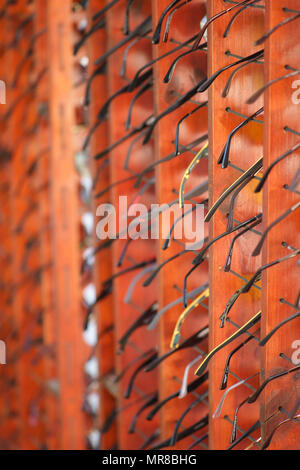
{"x": 257, "y": 189}
{"x": 223, "y": 385}
{"x": 76, "y": 49}
{"x": 222, "y": 320}
{"x": 198, "y": 259}
{"x": 148, "y": 281}
{"x": 166, "y": 244}
{"x": 253, "y": 98}
{"x": 259, "y": 41}
{"x": 256, "y": 251}
{"x": 221, "y": 158}
{"x": 147, "y": 136}
{"x": 225, "y": 92}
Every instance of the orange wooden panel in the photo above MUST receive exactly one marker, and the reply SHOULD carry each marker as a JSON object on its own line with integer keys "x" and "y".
{"x": 64, "y": 207}
{"x": 282, "y": 281}
{"x": 246, "y": 148}
{"x": 80, "y": 74}
{"x": 45, "y": 251}
{"x": 103, "y": 261}
{"x": 139, "y": 250}
{"x": 189, "y": 71}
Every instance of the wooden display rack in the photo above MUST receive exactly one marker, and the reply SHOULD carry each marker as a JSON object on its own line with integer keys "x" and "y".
{"x": 43, "y": 384}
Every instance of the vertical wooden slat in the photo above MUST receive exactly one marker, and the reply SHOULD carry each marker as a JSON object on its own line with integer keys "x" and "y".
{"x": 45, "y": 251}
{"x": 65, "y": 219}
{"x": 282, "y": 281}
{"x": 139, "y": 250}
{"x": 103, "y": 260}
{"x": 247, "y": 27}
{"x": 189, "y": 71}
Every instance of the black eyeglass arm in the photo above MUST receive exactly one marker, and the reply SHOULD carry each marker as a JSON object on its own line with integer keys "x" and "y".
{"x": 230, "y": 251}
{"x": 270, "y": 437}
{"x": 125, "y": 56}
{"x": 198, "y": 441}
{"x": 259, "y": 92}
{"x": 188, "y": 343}
{"x": 208, "y": 82}
{"x": 213, "y": 18}
{"x": 23, "y": 95}
{"x": 181, "y": 121}
{"x": 117, "y": 143}
{"x": 271, "y": 31}
{"x": 173, "y": 439}
{"x": 125, "y": 89}
{"x": 152, "y": 400}
{"x": 126, "y": 28}
{"x": 251, "y": 171}
{"x": 191, "y": 387}
{"x": 143, "y": 320}
{"x": 244, "y": 289}
{"x": 151, "y": 439}
{"x": 183, "y": 434}
{"x": 104, "y": 293}
{"x": 229, "y": 357}
{"x": 107, "y": 286}
{"x": 112, "y": 185}
{"x": 104, "y": 9}
{"x": 95, "y": 27}
{"x": 98, "y": 71}
{"x": 128, "y": 270}
{"x": 130, "y": 148}
{"x": 224, "y": 157}
{"x": 296, "y": 180}
{"x": 157, "y": 32}
{"x": 245, "y": 435}
{"x": 230, "y": 219}
{"x": 272, "y": 332}
{"x": 26, "y": 56}
{"x": 140, "y": 92}
{"x": 253, "y": 321}
{"x": 275, "y": 162}
{"x": 258, "y": 247}
{"x": 234, "y": 17}
{"x": 234, "y": 72}
{"x": 295, "y": 408}
{"x": 256, "y": 394}
{"x": 167, "y": 241}
{"x": 172, "y": 67}
{"x": 169, "y": 19}
{"x": 177, "y": 48}
{"x": 144, "y": 28}
{"x": 167, "y": 158}
{"x": 156, "y": 271}
{"x": 130, "y": 364}
{"x": 199, "y": 258}
{"x": 183, "y": 99}
{"x": 139, "y": 369}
